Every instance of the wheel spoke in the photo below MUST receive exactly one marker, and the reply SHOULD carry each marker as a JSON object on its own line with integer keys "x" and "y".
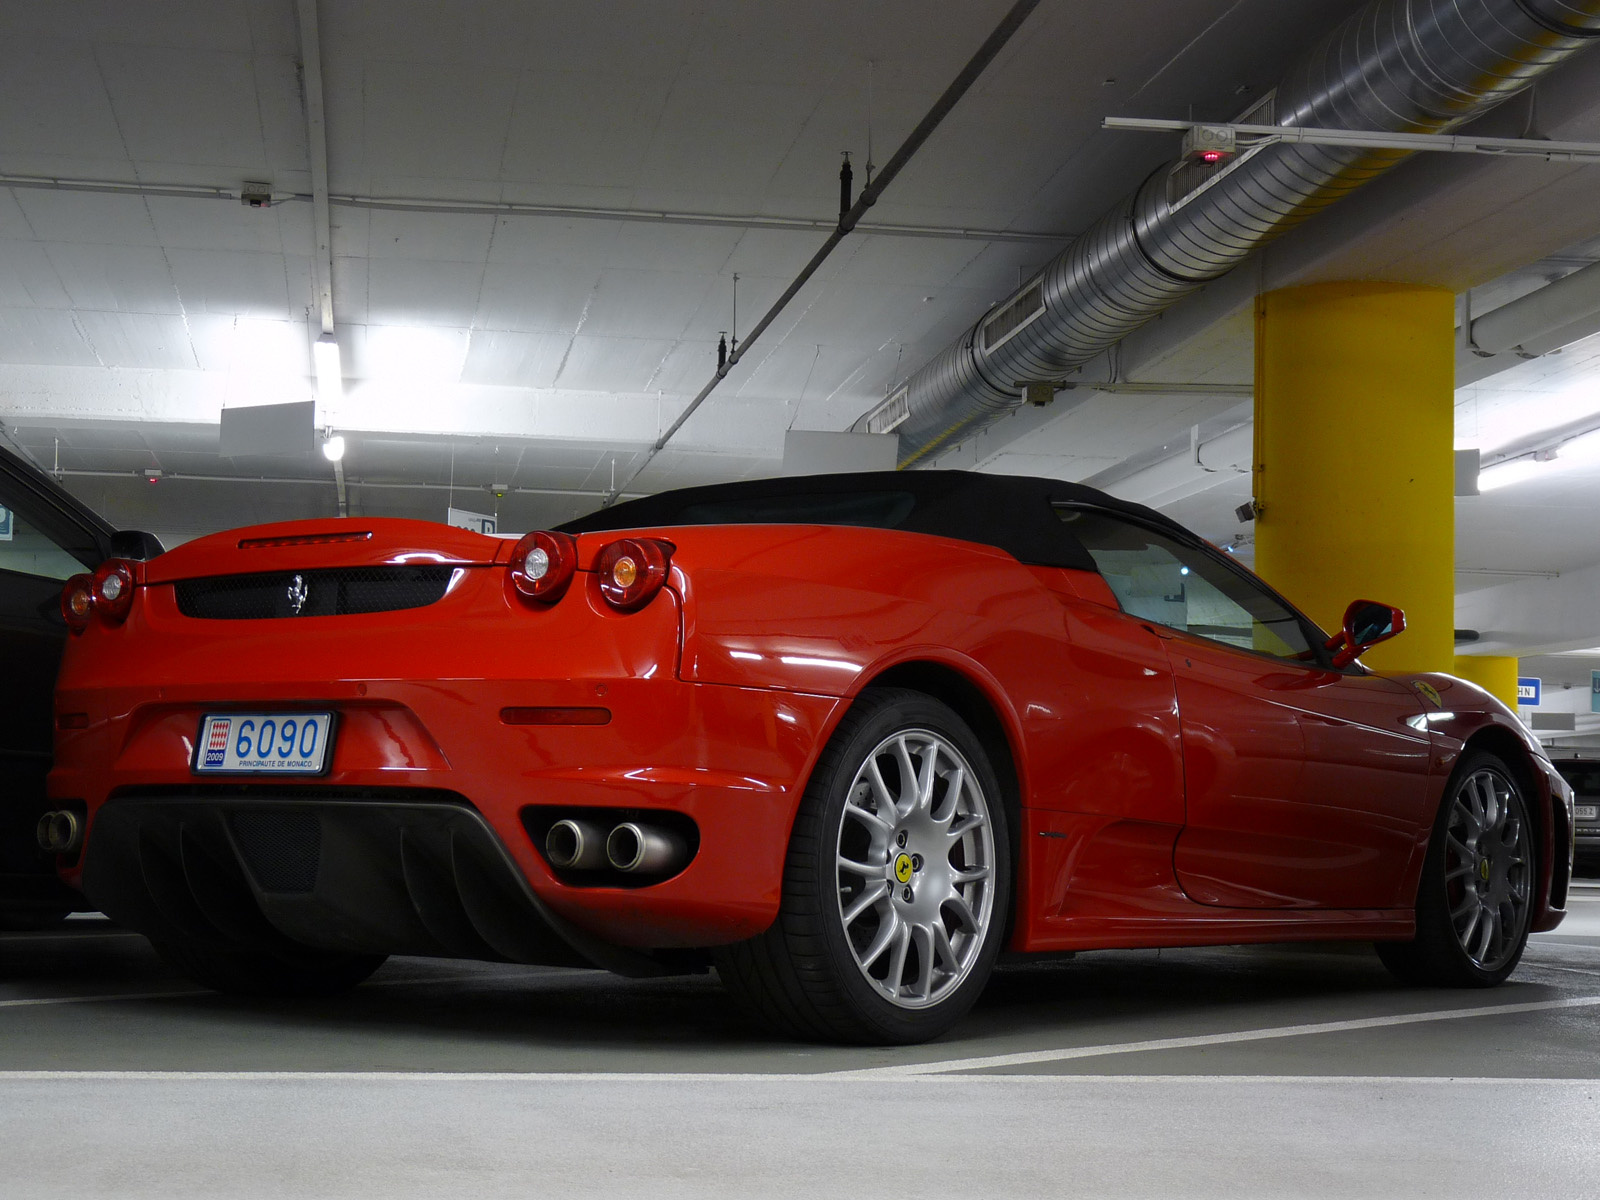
{"x": 897, "y": 964}
{"x": 864, "y": 901}
{"x": 964, "y": 914}
{"x": 880, "y": 789}
{"x": 974, "y": 874}
{"x": 870, "y": 819}
{"x": 908, "y": 774}
{"x": 955, "y": 782}
{"x": 924, "y": 961}
{"x": 864, "y": 870}
{"x": 886, "y": 935}
{"x": 968, "y": 824}
{"x": 926, "y": 778}
{"x": 1485, "y": 934}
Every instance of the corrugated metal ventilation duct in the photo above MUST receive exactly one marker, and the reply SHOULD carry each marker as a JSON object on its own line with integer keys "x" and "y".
{"x": 1404, "y": 66}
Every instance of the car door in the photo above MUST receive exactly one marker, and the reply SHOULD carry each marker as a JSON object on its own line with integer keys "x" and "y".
{"x": 43, "y": 542}
{"x": 1302, "y": 785}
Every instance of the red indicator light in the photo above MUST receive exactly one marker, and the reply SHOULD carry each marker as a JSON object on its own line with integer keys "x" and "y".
{"x": 77, "y": 602}
{"x": 303, "y": 539}
{"x": 632, "y": 571}
{"x": 1211, "y": 156}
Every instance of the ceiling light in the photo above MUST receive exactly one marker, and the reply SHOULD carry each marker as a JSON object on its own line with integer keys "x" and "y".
{"x": 330, "y": 376}
{"x": 333, "y": 448}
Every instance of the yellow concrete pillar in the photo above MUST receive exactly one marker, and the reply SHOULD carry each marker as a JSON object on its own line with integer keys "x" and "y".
{"x": 1354, "y": 459}
{"x": 1494, "y": 673}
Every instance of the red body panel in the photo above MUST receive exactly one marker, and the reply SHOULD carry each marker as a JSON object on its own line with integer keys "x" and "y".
{"x": 1131, "y": 747}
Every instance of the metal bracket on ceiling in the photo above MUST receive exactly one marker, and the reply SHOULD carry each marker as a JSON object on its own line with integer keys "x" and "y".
{"x": 1253, "y": 136}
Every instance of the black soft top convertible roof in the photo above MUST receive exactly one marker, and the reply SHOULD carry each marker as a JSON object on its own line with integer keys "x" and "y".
{"x": 1013, "y": 513}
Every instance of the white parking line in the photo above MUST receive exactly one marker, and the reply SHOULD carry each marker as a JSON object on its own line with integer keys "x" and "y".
{"x": 713, "y": 1077}
{"x": 1028, "y": 1058}
{"x": 34, "y": 1001}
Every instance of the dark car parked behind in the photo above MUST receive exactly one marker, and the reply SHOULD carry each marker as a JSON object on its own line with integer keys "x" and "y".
{"x": 1584, "y": 776}
{"x": 46, "y": 537}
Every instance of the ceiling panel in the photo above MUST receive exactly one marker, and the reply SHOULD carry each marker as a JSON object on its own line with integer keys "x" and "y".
{"x": 55, "y": 103}
{"x": 88, "y": 217}
{"x": 507, "y": 358}
{"x": 185, "y": 106}
{"x": 27, "y": 277}
{"x": 230, "y": 281}
{"x": 404, "y": 291}
{"x": 613, "y": 364}
{"x": 139, "y": 339}
{"x": 45, "y": 336}
{"x": 126, "y": 278}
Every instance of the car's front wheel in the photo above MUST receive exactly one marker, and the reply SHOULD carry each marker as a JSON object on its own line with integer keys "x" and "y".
{"x": 263, "y": 973}
{"x": 896, "y": 887}
{"x": 1475, "y": 899}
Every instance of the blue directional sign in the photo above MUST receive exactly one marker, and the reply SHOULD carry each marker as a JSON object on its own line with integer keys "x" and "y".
{"x": 1527, "y": 690}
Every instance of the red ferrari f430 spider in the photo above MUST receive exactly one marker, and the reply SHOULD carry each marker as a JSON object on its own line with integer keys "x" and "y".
{"x": 846, "y": 738}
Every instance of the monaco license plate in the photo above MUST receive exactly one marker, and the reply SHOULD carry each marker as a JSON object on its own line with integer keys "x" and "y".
{"x": 1585, "y": 812}
{"x": 264, "y": 743}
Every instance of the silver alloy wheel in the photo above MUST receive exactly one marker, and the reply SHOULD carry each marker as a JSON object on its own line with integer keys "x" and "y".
{"x": 1488, "y": 868}
{"x": 916, "y": 868}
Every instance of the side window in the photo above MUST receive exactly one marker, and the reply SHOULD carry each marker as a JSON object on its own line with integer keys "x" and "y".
{"x": 1159, "y": 579}
{"x": 27, "y": 550}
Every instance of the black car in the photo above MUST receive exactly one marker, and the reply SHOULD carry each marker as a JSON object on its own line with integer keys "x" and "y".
{"x": 46, "y": 537}
{"x": 1584, "y": 776}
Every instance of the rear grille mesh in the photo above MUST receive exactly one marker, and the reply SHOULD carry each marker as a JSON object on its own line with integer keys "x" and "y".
{"x": 324, "y": 593}
{"x": 282, "y": 849}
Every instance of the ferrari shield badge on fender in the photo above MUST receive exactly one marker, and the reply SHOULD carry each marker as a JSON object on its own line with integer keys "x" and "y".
{"x": 1429, "y": 692}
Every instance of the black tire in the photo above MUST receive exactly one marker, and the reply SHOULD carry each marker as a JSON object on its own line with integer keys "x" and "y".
{"x": 262, "y": 973}
{"x": 1475, "y": 898}
{"x": 813, "y": 973}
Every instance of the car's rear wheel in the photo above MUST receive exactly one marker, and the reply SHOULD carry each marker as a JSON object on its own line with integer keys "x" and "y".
{"x": 897, "y": 884}
{"x": 263, "y": 973}
{"x": 1475, "y": 899}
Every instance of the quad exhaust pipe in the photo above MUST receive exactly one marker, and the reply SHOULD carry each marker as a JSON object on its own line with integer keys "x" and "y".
{"x": 644, "y": 849}
{"x": 632, "y": 847}
{"x": 575, "y": 846}
{"x": 60, "y": 832}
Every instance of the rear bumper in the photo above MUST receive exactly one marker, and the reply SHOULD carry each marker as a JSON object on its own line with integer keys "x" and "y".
{"x": 734, "y": 761}
{"x": 420, "y": 876}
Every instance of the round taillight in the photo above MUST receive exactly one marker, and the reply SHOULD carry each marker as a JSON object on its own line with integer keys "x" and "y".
{"x": 542, "y": 565}
{"x": 632, "y": 571}
{"x": 77, "y": 602}
{"x": 112, "y": 591}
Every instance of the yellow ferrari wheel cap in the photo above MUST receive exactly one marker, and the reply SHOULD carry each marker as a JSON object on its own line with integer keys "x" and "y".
{"x": 902, "y": 868}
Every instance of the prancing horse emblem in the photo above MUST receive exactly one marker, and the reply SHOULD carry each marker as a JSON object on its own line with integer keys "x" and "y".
{"x": 298, "y": 594}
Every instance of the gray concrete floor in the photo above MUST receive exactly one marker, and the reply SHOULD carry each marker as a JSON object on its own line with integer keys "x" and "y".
{"x": 1226, "y": 1072}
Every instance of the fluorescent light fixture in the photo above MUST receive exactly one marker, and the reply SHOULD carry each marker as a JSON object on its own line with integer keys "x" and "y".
{"x": 330, "y": 376}
{"x": 1516, "y": 470}
{"x": 333, "y": 448}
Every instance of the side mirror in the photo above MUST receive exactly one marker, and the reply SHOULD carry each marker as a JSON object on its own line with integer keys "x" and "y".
{"x": 135, "y": 545}
{"x": 1366, "y": 623}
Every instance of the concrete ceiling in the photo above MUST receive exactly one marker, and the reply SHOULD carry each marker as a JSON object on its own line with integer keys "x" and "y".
{"x": 686, "y": 142}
